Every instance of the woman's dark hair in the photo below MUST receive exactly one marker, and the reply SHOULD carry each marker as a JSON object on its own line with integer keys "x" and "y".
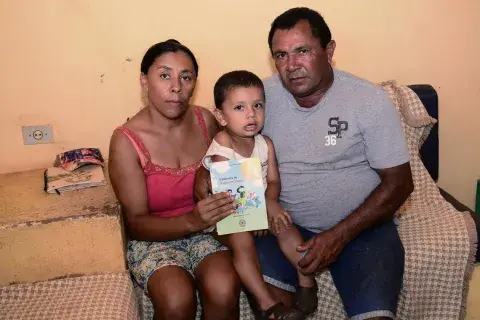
{"x": 290, "y": 18}
{"x": 171, "y": 45}
{"x": 234, "y": 79}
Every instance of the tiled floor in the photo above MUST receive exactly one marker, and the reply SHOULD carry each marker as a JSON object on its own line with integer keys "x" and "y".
{"x": 473, "y": 309}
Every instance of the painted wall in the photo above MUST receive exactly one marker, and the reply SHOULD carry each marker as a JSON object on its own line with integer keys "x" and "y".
{"x": 75, "y": 64}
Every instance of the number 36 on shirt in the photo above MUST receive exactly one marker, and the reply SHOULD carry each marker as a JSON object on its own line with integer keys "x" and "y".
{"x": 331, "y": 140}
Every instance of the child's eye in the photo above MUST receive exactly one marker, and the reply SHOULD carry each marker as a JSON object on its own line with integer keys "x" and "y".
{"x": 239, "y": 107}
{"x": 164, "y": 76}
{"x": 258, "y": 105}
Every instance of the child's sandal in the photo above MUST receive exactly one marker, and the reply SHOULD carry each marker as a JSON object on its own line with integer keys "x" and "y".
{"x": 281, "y": 312}
{"x": 306, "y": 299}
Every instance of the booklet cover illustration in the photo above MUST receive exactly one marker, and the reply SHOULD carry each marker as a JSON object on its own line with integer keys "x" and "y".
{"x": 243, "y": 179}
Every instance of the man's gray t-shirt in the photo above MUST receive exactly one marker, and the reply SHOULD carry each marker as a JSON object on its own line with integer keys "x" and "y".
{"x": 327, "y": 154}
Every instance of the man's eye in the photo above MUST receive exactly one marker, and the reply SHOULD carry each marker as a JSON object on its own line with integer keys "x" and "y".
{"x": 281, "y": 55}
{"x": 302, "y": 51}
{"x": 187, "y": 78}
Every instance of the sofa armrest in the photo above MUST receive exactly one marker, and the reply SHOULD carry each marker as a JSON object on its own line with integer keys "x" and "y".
{"x": 461, "y": 207}
{"x": 454, "y": 202}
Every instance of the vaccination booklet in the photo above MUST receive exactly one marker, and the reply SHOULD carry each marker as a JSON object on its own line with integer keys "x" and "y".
{"x": 243, "y": 179}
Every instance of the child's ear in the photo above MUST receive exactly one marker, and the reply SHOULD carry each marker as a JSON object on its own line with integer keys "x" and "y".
{"x": 219, "y": 116}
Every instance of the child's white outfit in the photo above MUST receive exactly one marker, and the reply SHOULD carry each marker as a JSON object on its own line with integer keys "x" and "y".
{"x": 260, "y": 150}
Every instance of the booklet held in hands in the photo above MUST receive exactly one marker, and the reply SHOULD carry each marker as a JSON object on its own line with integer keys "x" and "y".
{"x": 243, "y": 179}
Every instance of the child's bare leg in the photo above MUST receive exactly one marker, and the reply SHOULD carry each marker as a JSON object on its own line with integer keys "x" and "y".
{"x": 247, "y": 266}
{"x": 306, "y": 298}
{"x": 289, "y": 240}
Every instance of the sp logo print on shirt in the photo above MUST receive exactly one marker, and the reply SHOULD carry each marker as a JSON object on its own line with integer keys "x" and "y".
{"x": 333, "y": 135}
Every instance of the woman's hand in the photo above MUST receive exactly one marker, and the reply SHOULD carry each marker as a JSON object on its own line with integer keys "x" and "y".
{"x": 277, "y": 215}
{"x": 212, "y": 209}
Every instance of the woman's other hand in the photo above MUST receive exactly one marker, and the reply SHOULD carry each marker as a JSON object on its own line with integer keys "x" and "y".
{"x": 203, "y": 185}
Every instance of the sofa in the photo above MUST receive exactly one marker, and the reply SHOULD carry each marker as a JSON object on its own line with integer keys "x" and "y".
{"x": 437, "y": 231}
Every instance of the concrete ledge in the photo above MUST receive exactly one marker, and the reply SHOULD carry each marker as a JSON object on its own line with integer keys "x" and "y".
{"x": 45, "y": 236}
{"x": 22, "y": 200}
{"x": 74, "y": 247}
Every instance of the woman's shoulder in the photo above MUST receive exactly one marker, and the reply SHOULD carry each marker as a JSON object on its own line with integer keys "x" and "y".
{"x": 210, "y": 121}
{"x": 123, "y": 133}
{"x": 122, "y": 140}
{"x": 206, "y": 114}
{"x": 127, "y": 135}
{"x": 133, "y": 123}
{"x": 205, "y": 111}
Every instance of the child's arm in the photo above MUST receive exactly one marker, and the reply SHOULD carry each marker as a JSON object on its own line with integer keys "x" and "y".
{"x": 273, "y": 177}
{"x": 276, "y": 213}
{"x": 223, "y": 139}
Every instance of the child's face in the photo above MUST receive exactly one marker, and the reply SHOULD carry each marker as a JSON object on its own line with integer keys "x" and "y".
{"x": 243, "y": 111}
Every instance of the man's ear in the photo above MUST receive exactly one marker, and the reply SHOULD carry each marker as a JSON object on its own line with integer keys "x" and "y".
{"x": 143, "y": 82}
{"x": 330, "y": 50}
{"x": 220, "y": 117}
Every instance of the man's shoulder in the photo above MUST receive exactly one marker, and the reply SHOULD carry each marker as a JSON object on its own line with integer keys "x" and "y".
{"x": 353, "y": 81}
{"x": 273, "y": 80}
{"x": 273, "y": 83}
{"x": 360, "y": 90}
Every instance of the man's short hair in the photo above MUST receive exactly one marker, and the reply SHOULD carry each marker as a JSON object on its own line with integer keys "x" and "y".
{"x": 291, "y": 17}
{"x": 232, "y": 80}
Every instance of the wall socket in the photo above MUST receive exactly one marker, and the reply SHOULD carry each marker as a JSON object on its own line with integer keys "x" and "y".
{"x": 37, "y": 134}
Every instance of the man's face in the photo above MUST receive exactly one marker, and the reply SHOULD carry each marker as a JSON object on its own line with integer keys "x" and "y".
{"x": 300, "y": 59}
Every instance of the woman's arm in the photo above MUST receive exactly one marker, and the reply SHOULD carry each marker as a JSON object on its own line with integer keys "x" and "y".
{"x": 128, "y": 181}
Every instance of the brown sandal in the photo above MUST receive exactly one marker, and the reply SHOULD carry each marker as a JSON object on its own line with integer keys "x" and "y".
{"x": 306, "y": 299}
{"x": 280, "y": 312}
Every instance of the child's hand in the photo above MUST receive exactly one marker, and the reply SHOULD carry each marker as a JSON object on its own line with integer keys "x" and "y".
{"x": 277, "y": 215}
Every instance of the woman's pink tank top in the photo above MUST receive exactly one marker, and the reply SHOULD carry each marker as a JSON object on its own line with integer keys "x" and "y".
{"x": 169, "y": 191}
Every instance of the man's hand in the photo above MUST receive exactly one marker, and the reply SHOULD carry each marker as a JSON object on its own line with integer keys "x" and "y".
{"x": 277, "y": 215}
{"x": 203, "y": 184}
{"x": 321, "y": 250}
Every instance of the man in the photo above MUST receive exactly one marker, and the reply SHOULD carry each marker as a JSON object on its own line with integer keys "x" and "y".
{"x": 344, "y": 169}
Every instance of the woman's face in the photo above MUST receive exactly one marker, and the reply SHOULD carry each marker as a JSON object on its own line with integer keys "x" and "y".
{"x": 169, "y": 84}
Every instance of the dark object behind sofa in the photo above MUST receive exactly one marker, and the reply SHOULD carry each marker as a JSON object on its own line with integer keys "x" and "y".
{"x": 429, "y": 151}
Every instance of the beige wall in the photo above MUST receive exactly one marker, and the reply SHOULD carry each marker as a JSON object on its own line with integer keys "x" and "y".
{"x": 75, "y": 64}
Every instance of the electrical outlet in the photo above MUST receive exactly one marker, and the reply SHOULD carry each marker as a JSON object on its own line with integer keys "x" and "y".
{"x": 37, "y": 134}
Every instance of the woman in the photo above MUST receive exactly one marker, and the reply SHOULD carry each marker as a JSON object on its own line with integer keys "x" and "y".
{"x": 152, "y": 164}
